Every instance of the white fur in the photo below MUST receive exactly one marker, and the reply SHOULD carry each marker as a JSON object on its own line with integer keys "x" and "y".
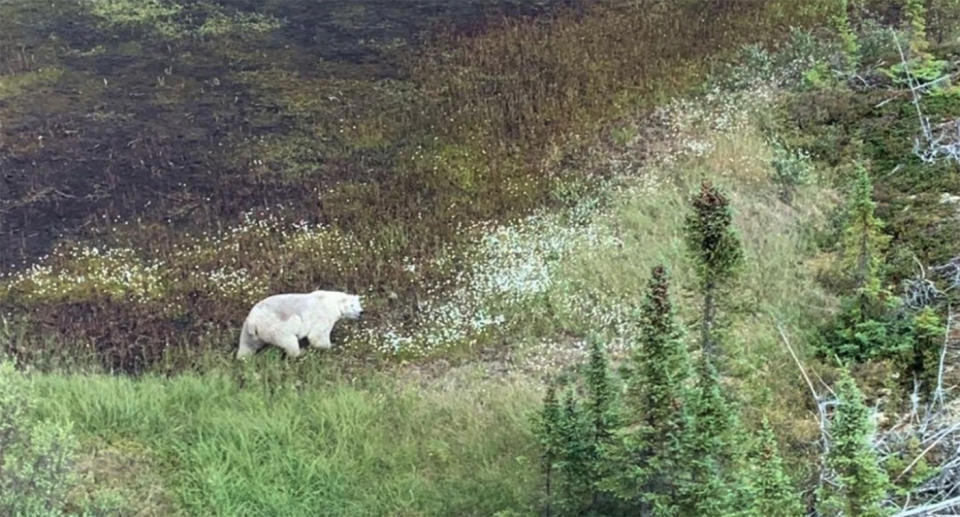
{"x": 284, "y": 319}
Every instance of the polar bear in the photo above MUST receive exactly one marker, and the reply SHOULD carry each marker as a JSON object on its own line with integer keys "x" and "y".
{"x": 284, "y": 319}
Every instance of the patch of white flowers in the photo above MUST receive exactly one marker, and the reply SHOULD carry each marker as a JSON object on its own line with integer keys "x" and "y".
{"x": 514, "y": 264}
{"x": 509, "y": 265}
{"x": 113, "y": 273}
{"x": 689, "y": 126}
{"x": 211, "y": 262}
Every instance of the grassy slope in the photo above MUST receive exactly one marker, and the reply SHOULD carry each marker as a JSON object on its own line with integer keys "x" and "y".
{"x": 304, "y": 438}
{"x": 295, "y": 439}
{"x": 301, "y": 441}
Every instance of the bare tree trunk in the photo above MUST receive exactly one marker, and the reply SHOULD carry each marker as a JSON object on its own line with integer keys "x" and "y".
{"x": 709, "y": 315}
{"x": 547, "y": 511}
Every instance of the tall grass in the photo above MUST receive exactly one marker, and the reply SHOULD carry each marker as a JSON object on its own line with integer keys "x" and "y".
{"x": 597, "y": 288}
{"x": 299, "y": 440}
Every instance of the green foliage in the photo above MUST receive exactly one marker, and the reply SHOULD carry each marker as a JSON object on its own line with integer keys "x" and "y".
{"x": 850, "y": 45}
{"x": 877, "y": 42}
{"x": 773, "y": 492}
{"x": 36, "y": 458}
{"x": 677, "y": 450}
{"x": 711, "y": 239}
{"x": 912, "y": 460}
{"x": 818, "y": 76}
{"x": 922, "y": 70}
{"x": 791, "y": 168}
{"x": 754, "y": 65}
{"x": 650, "y": 453}
{"x": 660, "y": 362}
{"x": 944, "y": 18}
{"x": 158, "y": 14}
{"x": 915, "y": 16}
{"x": 861, "y": 486}
{"x": 547, "y": 429}
{"x": 27, "y": 82}
{"x": 287, "y": 439}
{"x": 865, "y": 327}
{"x": 575, "y": 455}
{"x": 863, "y": 243}
{"x": 173, "y": 20}
{"x": 601, "y": 409}
{"x": 922, "y": 356}
{"x": 715, "y": 248}
{"x": 714, "y": 450}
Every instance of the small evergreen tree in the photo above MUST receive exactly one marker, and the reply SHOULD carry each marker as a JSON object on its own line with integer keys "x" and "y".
{"x": 861, "y": 485}
{"x": 850, "y": 45}
{"x": 716, "y": 250}
{"x": 600, "y": 408}
{"x": 714, "y": 450}
{"x": 547, "y": 430}
{"x": 923, "y": 356}
{"x": 574, "y": 482}
{"x": 655, "y": 408}
{"x": 943, "y": 18}
{"x": 863, "y": 240}
{"x": 915, "y": 16}
{"x": 773, "y": 492}
{"x": 863, "y": 330}
{"x": 600, "y": 392}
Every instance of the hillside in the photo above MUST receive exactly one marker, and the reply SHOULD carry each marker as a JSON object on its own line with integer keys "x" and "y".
{"x": 521, "y": 194}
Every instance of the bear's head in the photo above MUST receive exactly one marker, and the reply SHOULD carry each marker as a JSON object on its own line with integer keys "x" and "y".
{"x": 351, "y": 307}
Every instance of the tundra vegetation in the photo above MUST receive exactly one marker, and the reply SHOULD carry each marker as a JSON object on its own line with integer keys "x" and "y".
{"x": 618, "y": 258}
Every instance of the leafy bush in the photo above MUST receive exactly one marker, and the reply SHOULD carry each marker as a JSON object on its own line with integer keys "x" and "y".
{"x": 754, "y": 65}
{"x": 36, "y": 459}
{"x": 877, "y": 41}
{"x": 791, "y": 168}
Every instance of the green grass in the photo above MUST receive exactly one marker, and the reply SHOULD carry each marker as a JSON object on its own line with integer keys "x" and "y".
{"x": 598, "y": 287}
{"x": 296, "y": 439}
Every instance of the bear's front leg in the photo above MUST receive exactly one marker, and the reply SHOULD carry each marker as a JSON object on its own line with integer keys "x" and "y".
{"x": 320, "y": 337}
{"x": 290, "y": 344}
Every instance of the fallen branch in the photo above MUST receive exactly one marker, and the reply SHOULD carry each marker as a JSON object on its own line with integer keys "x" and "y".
{"x": 924, "y": 510}
{"x": 928, "y": 449}
{"x": 938, "y": 392}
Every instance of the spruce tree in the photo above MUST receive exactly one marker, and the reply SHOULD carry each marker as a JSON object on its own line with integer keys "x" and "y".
{"x": 860, "y": 485}
{"x": 773, "y": 492}
{"x": 863, "y": 240}
{"x": 714, "y": 450}
{"x": 574, "y": 481}
{"x": 600, "y": 392}
{"x": 915, "y": 15}
{"x": 848, "y": 38}
{"x": 923, "y": 357}
{"x": 547, "y": 430}
{"x": 655, "y": 408}
{"x": 600, "y": 409}
{"x": 716, "y": 250}
{"x": 862, "y": 331}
